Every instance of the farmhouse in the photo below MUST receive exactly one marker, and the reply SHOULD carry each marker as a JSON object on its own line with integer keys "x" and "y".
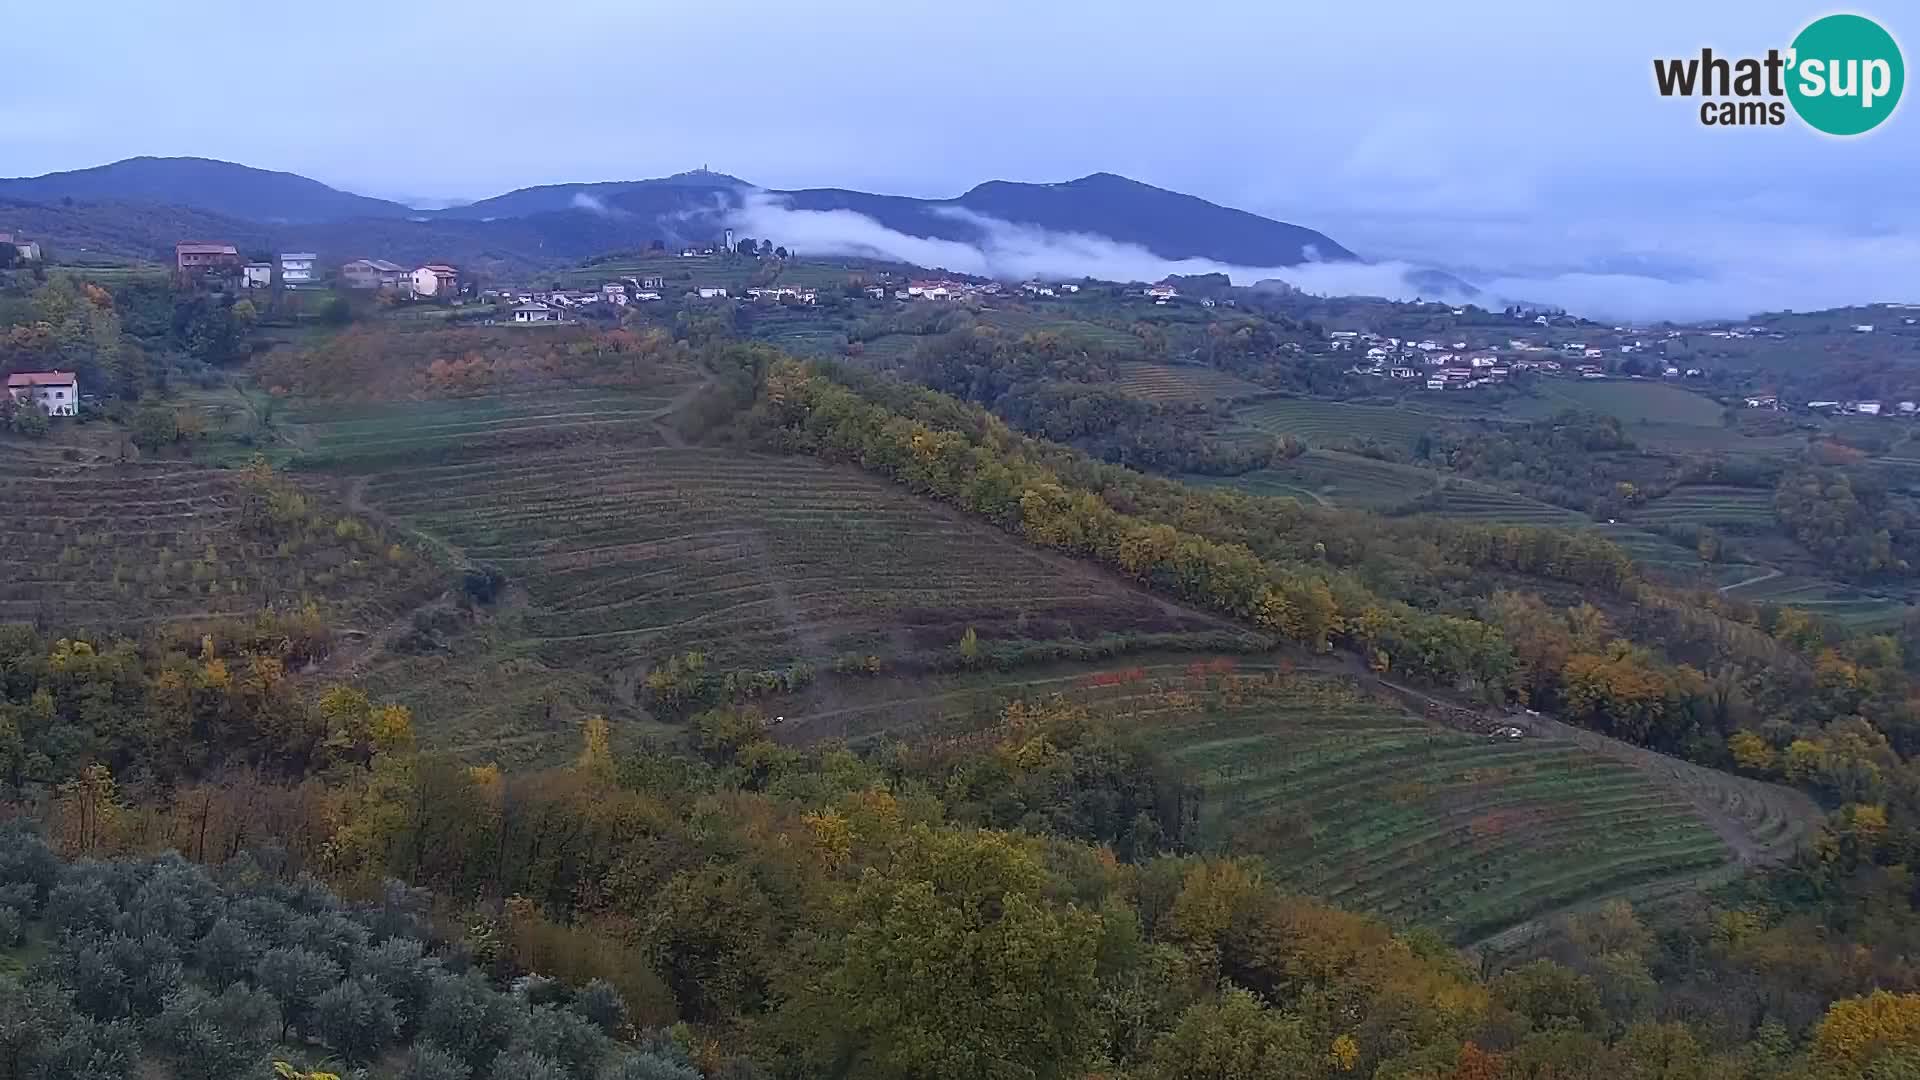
{"x": 1161, "y": 291}
{"x": 614, "y": 293}
{"x": 56, "y": 392}
{"x": 296, "y": 268}
{"x": 436, "y": 279}
{"x": 256, "y": 275}
{"x": 654, "y": 282}
{"x": 29, "y": 250}
{"x": 375, "y": 274}
{"x": 195, "y": 260}
{"x": 533, "y": 312}
{"x": 712, "y": 293}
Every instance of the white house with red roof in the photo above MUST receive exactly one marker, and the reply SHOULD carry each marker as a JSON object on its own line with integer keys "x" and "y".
{"x": 436, "y": 279}
{"x": 56, "y": 392}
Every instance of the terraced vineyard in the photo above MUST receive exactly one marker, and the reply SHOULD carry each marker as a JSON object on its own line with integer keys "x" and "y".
{"x": 1181, "y": 383}
{"x": 1476, "y": 503}
{"x": 1322, "y": 423}
{"x": 1355, "y": 799}
{"x": 368, "y": 434}
{"x": 1472, "y": 502}
{"x": 803, "y": 333}
{"x": 887, "y": 349}
{"x": 92, "y": 542}
{"x": 1856, "y": 608}
{"x": 629, "y": 555}
{"x": 1025, "y": 321}
{"x": 1331, "y": 477}
{"x": 1710, "y": 505}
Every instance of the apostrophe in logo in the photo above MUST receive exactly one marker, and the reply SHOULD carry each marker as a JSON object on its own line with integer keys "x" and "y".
{"x": 1842, "y": 75}
{"x": 1846, "y": 74}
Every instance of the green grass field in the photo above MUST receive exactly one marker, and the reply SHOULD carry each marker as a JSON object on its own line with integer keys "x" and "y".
{"x": 1695, "y": 438}
{"x": 1182, "y": 383}
{"x": 1633, "y": 401}
{"x": 1322, "y": 423}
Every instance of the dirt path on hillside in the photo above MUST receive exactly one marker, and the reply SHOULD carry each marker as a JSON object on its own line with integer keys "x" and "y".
{"x": 1755, "y": 580}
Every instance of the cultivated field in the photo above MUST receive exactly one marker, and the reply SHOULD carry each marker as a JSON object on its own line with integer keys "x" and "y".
{"x": 1698, "y": 438}
{"x": 1380, "y": 812}
{"x": 1321, "y": 423}
{"x": 1355, "y": 799}
{"x": 1633, "y": 401}
{"x": 1473, "y": 502}
{"x": 1333, "y": 478}
{"x": 1025, "y": 321}
{"x": 371, "y": 434}
{"x": 1710, "y": 505}
{"x": 92, "y": 542}
{"x": 799, "y": 332}
{"x": 1855, "y": 608}
{"x": 626, "y": 556}
{"x": 1181, "y": 383}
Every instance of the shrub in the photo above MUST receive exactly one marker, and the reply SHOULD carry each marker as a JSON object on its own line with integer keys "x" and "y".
{"x": 356, "y": 1019}
{"x": 30, "y": 421}
{"x": 155, "y": 427}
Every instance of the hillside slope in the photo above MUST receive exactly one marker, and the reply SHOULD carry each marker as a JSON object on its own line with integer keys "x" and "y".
{"x": 144, "y": 206}
{"x": 219, "y": 187}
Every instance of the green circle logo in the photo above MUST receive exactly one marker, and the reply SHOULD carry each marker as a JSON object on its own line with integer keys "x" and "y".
{"x": 1845, "y": 74}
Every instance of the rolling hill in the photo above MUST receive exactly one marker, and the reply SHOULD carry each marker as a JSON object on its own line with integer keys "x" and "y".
{"x": 218, "y": 187}
{"x": 142, "y": 203}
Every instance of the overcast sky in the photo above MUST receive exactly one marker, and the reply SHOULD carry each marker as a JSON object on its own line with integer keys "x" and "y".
{"x": 1508, "y": 138}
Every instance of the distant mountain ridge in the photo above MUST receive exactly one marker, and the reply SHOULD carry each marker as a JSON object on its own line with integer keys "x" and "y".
{"x": 556, "y": 222}
{"x": 218, "y": 187}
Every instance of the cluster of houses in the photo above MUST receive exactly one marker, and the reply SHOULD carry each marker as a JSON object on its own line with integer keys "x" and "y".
{"x": 1453, "y": 366}
{"x": 1772, "y": 403}
{"x": 556, "y": 305}
{"x": 301, "y": 270}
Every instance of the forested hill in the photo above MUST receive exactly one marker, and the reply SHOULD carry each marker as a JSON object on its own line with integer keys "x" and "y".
{"x": 218, "y": 187}
{"x": 565, "y": 222}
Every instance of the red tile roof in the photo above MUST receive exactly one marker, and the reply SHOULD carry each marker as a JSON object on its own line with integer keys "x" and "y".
{"x": 40, "y": 378}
